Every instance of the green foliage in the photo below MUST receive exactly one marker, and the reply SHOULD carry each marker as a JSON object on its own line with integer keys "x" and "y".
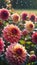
{"x": 24, "y": 4}
{"x": 2, "y": 3}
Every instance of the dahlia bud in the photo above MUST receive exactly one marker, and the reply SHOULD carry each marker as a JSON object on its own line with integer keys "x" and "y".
{"x": 32, "y": 58}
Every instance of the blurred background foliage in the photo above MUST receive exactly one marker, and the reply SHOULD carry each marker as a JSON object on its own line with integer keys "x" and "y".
{"x": 20, "y": 4}
{"x": 24, "y": 4}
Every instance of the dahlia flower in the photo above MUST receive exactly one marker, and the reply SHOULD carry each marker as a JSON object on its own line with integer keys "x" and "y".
{"x": 11, "y": 33}
{"x": 15, "y": 18}
{"x": 32, "y": 58}
{"x": 16, "y": 54}
{"x": 34, "y": 37}
{"x": 32, "y": 17}
{"x": 29, "y": 26}
{"x": 4, "y": 14}
{"x": 24, "y": 15}
{"x": 24, "y": 32}
{"x": 1, "y": 45}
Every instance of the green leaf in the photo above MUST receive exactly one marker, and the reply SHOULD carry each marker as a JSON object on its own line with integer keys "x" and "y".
{"x": 29, "y": 42}
{"x": 22, "y": 42}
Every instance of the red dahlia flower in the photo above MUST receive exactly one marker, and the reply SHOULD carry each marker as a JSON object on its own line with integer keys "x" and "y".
{"x": 34, "y": 37}
{"x": 24, "y": 32}
{"x": 32, "y": 58}
{"x": 4, "y": 14}
{"x": 32, "y": 17}
{"x": 24, "y": 15}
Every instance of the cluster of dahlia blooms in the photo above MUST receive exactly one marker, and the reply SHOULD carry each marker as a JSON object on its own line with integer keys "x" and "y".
{"x": 18, "y": 42}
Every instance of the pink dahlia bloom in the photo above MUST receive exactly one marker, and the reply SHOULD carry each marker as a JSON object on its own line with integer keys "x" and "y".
{"x": 15, "y": 18}
{"x": 1, "y": 45}
{"x": 4, "y": 14}
{"x": 34, "y": 37}
{"x": 11, "y": 33}
{"x": 24, "y": 15}
{"x": 32, "y": 17}
{"x": 16, "y": 54}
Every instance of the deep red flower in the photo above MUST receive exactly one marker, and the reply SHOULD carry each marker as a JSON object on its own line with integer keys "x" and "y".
{"x": 4, "y": 14}
{"x": 24, "y": 32}
{"x": 32, "y": 58}
{"x": 32, "y": 17}
{"x": 34, "y": 37}
{"x": 24, "y": 15}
